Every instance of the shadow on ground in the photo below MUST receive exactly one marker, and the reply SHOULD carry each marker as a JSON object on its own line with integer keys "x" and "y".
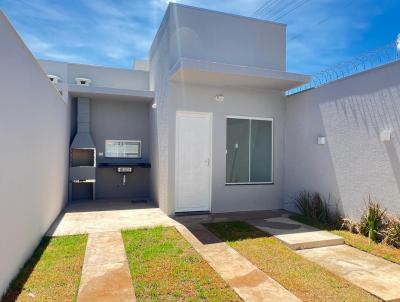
{"x": 18, "y": 283}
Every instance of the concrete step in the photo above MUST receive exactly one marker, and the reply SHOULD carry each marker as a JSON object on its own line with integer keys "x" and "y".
{"x": 296, "y": 235}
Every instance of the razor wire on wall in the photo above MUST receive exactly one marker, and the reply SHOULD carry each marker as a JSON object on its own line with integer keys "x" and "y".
{"x": 380, "y": 56}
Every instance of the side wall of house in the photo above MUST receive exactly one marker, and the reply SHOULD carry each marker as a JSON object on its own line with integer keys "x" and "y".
{"x": 350, "y": 113}
{"x": 34, "y": 126}
{"x": 159, "y": 82}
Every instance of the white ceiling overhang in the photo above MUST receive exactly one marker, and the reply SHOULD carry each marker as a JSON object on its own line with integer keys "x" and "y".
{"x": 220, "y": 74}
{"x": 111, "y": 93}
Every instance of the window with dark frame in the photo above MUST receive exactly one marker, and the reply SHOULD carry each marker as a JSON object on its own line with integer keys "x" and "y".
{"x": 249, "y": 150}
{"x": 123, "y": 148}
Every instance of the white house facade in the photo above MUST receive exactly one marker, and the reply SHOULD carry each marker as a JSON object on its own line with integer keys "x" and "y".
{"x": 203, "y": 126}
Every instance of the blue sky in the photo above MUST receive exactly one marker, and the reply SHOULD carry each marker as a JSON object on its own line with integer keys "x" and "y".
{"x": 113, "y": 33}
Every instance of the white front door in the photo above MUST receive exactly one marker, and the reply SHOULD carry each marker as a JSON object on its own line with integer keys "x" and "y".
{"x": 193, "y": 161}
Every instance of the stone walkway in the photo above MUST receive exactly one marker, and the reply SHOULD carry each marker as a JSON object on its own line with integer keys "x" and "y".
{"x": 295, "y": 235}
{"x": 105, "y": 273}
{"x": 373, "y": 274}
{"x": 250, "y": 283}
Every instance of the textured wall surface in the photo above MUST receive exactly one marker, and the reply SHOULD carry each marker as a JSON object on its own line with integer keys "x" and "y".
{"x": 34, "y": 128}
{"x": 354, "y": 163}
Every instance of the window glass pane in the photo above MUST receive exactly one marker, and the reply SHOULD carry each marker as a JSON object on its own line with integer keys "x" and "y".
{"x": 261, "y": 151}
{"x": 122, "y": 149}
{"x": 131, "y": 149}
{"x": 237, "y": 150}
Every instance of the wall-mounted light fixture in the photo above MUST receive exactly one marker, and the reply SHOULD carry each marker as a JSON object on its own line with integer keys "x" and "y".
{"x": 53, "y": 78}
{"x": 219, "y": 98}
{"x": 321, "y": 140}
{"x": 154, "y": 105}
{"x": 385, "y": 135}
{"x": 83, "y": 81}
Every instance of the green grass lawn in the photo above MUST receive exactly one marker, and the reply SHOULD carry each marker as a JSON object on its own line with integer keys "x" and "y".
{"x": 305, "y": 279}
{"x": 363, "y": 243}
{"x": 164, "y": 267}
{"x": 52, "y": 273}
{"x": 358, "y": 241}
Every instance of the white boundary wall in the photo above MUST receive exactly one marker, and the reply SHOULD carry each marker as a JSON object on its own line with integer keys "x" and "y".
{"x": 351, "y": 113}
{"x": 34, "y": 133}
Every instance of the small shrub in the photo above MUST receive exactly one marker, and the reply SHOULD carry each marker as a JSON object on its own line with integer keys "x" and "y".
{"x": 320, "y": 209}
{"x": 315, "y": 208}
{"x": 303, "y": 203}
{"x": 392, "y": 232}
{"x": 350, "y": 225}
{"x": 372, "y": 220}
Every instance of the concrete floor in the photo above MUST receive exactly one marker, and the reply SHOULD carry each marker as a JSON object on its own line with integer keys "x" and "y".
{"x": 92, "y": 216}
{"x": 86, "y": 217}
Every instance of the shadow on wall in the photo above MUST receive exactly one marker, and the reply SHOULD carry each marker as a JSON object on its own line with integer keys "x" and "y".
{"x": 362, "y": 163}
{"x": 394, "y": 161}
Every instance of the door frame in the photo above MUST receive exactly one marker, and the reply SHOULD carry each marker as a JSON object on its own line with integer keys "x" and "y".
{"x": 177, "y": 139}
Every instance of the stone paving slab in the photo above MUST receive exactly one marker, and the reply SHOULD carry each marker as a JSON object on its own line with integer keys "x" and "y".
{"x": 105, "y": 274}
{"x": 107, "y": 216}
{"x": 373, "y": 274}
{"x": 250, "y": 283}
{"x": 296, "y": 235}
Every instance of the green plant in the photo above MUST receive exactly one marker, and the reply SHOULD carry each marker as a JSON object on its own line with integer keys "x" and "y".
{"x": 303, "y": 203}
{"x": 320, "y": 208}
{"x": 315, "y": 207}
{"x": 372, "y": 220}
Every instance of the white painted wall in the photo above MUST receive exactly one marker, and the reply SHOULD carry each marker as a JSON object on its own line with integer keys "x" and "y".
{"x": 100, "y": 76}
{"x": 212, "y": 36}
{"x": 351, "y": 113}
{"x": 238, "y": 101}
{"x": 159, "y": 145}
{"x": 201, "y": 34}
{"x": 34, "y": 154}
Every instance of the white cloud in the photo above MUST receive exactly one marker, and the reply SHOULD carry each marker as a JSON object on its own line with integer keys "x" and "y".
{"x": 36, "y": 45}
{"x": 46, "y": 50}
{"x": 320, "y": 33}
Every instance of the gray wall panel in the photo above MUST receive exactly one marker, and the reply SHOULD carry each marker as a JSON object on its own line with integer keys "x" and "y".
{"x": 127, "y": 120}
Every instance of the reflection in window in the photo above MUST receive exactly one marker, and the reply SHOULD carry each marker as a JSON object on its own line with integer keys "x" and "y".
{"x": 249, "y": 150}
{"x": 123, "y": 148}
